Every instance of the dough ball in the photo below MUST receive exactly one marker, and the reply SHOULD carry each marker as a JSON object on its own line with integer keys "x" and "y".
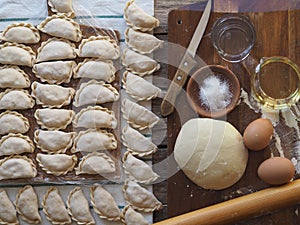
{"x": 211, "y": 153}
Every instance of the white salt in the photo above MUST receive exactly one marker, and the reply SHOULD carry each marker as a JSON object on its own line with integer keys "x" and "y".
{"x": 215, "y": 94}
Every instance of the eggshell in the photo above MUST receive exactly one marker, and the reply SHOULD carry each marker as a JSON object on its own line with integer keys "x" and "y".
{"x": 276, "y": 170}
{"x": 258, "y": 134}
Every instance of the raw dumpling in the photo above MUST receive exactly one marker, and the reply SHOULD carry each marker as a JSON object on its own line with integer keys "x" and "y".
{"x": 96, "y": 69}
{"x": 16, "y": 166}
{"x": 54, "y": 207}
{"x": 101, "y": 47}
{"x": 104, "y": 204}
{"x": 143, "y": 43}
{"x": 96, "y": 163}
{"x": 57, "y": 164}
{"x": 139, "y": 64}
{"x": 62, "y": 6}
{"x": 55, "y": 49}
{"x": 54, "y": 119}
{"x": 138, "y": 116}
{"x": 61, "y": 26}
{"x": 93, "y": 140}
{"x": 13, "y": 77}
{"x": 138, "y": 88}
{"x": 95, "y": 92}
{"x": 78, "y": 207}
{"x": 56, "y": 72}
{"x": 53, "y": 141}
{"x": 16, "y": 54}
{"x": 95, "y": 117}
{"x": 132, "y": 217}
{"x": 51, "y": 95}
{"x": 15, "y": 144}
{"x": 13, "y": 122}
{"x": 14, "y": 99}
{"x": 8, "y": 214}
{"x": 138, "y": 170}
{"x": 140, "y": 198}
{"x": 138, "y": 19}
{"x": 24, "y": 33}
{"x": 27, "y": 205}
{"x": 136, "y": 143}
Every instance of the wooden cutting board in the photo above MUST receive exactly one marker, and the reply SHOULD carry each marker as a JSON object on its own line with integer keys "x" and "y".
{"x": 278, "y": 33}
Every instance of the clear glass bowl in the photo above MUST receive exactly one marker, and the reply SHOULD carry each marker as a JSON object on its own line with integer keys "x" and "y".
{"x": 233, "y": 36}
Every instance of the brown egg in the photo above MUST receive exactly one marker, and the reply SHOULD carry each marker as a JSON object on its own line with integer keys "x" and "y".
{"x": 258, "y": 134}
{"x": 276, "y": 170}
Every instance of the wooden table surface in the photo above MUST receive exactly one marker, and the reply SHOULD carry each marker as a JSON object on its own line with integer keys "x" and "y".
{"x": 162, "y": 8}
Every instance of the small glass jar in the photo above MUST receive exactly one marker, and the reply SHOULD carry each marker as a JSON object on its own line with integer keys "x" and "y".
{"x": 233, "y": 36}
{"x": 276, "y": 82}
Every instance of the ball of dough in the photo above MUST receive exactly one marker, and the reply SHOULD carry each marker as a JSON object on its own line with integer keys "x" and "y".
{"x": 211, "y": 153}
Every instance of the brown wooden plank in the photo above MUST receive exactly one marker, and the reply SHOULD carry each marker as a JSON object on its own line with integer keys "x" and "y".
{"x": 183, "y": 195}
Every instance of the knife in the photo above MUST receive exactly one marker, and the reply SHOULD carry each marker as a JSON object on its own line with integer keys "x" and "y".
{"x": 186, "y": 65}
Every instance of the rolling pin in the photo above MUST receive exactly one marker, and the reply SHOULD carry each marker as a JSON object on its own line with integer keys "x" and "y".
{"x": 240, "y": 208}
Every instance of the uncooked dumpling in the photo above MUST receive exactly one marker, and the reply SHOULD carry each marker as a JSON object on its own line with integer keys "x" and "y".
{"x": 53, "y": 141}
{"x": 56, "y": 72}
{"x": 16, "y": 166}
{"x": 104, "y": 203}
{"x": 27, "y": 205}
{"x": 54, "y": 207}
{"x": 141, "y": 42}
{"x": 14, "y": 99}
{"x": 24, "y": 33}
{"x": 54, "y": 119}
{"x": 132, "y": 217}
{"x": 93, "y": 140}
{"x": 136, "y": 143}
{"x": 138, "y": 19}
{"x": 95, "y": 92}
{"x": 138, "y": 116}
{"x": 138, "y": 170}
{"x": 95, "y": 117}
{"x": 62, "y": 6}
{"x": 101, "y": 47}
{"x": 96, "y": 69}
{"x": 16, "y": 54}
{"x": 140, "y": 198}
{"x": 8, "y": 214}
{"x": 51, "y": 95}
{"x": 13, "y": 77}
{"x": 56, "y": 49}
{"x": 14, "y": 144}
{"x": 96, "y": 163}
{"x": 61, "y": 26}
{"x": 56, "y": 164}
{"x": 78, "y": 207}
{"x": 138, "y": 88}
{"x": 211, "y": 153}
{"x": 13, "y": 122}
{"x": 139, "y": 64}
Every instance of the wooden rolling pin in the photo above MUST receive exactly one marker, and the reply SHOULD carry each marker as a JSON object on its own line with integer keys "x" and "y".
{"x": 247, "y": 206}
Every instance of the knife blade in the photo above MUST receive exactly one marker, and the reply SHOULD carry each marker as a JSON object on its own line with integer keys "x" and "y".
{"x": 186, "y": 65}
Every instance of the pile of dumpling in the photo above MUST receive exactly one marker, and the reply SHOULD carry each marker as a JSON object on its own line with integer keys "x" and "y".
{"x": 139, "y": 65}
{"x": 58, "y": 104}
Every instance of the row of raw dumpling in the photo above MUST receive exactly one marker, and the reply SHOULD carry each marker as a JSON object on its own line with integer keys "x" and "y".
{"x": 78, "y": 209}
{"x": 57, "y": 72}
{"x": 137, "y": 116}
{"x": 20, "y": 167}
{"x": 101, "y": 47}
{"x": 90, "y": 93}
